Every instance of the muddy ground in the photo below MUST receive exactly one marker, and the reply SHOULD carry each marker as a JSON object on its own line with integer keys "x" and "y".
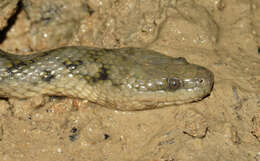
{"x": 222, "y": 35}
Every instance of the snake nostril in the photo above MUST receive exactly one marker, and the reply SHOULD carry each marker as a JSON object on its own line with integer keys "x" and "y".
{"x": 201, "y": 81}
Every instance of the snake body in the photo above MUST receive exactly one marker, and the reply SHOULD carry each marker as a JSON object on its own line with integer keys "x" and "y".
{"x": 123, "y": 79}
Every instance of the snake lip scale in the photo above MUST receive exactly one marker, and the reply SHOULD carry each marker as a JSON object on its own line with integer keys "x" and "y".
{"x": 128, "y": 79}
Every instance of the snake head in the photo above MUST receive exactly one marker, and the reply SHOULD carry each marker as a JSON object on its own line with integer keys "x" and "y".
{"x": 165, "y": 81}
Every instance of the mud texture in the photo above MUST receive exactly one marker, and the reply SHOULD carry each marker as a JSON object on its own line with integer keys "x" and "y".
{"x": 222, "y": 35}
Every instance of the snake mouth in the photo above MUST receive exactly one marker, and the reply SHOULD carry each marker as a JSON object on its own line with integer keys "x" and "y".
{"x": 202, "y": 80}
{"x": 197, "y": 84}
{"x": 193, "y": 89}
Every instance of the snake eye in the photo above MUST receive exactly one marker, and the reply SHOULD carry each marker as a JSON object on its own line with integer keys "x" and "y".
{"x": 173, "y": 83}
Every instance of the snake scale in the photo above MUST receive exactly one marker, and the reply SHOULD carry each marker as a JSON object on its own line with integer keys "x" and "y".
{"x": 123, "y": 79}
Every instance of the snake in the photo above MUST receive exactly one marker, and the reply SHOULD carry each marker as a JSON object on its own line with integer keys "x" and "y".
{"x": 126, "y": 79}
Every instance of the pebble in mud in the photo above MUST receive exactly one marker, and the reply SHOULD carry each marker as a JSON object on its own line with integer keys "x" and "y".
{"x": 195, "y": 124}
